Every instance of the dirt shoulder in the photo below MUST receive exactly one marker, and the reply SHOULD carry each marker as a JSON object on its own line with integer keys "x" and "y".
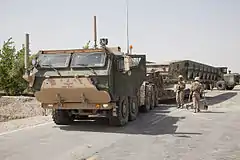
{"x": 20, "y": 107}
{"x": 20, "y": 112}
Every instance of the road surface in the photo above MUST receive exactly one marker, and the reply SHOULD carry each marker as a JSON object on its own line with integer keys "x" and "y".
{"x": 166, "y": 133}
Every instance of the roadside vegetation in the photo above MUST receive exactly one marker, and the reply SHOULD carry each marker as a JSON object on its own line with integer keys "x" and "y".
{"x": 12, "y": 69}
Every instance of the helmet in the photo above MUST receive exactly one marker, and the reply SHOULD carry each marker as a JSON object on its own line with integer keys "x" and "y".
{"x": 196, "y": 78}
{"x": 180, "y": 76}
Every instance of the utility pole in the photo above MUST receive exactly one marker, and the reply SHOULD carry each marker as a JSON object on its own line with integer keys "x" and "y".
{"x": 26, "y": 55}
{"x": 95, "y": 31}
{"x": 127, "y": 26}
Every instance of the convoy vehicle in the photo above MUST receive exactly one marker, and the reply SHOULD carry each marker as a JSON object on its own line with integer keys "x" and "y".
{"x": 228, "y": 81}
{"x": 210, "y": 76}
{"x": 102, "y": 82}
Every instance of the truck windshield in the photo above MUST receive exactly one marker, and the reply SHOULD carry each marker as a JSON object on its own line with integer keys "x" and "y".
{"x": 54, "y": 60}
{"x": 88, "y": 59}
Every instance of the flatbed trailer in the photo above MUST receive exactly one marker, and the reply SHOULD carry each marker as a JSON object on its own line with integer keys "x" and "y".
{"x": 210, "y": 76}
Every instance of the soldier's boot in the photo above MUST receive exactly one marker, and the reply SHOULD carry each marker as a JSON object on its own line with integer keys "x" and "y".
{"x": 195, "y": 110}
{"x": 181, "y": 106}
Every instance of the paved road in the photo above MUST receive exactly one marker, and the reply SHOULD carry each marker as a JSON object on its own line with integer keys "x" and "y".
{"x": 164, "y": 133}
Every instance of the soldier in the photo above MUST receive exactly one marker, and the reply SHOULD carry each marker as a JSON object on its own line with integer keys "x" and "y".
{"x": 180, "y": 91}
{"x": 195, "y": 91}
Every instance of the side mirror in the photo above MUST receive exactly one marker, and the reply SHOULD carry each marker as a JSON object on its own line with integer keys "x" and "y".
{"x": 34, "y": 62}
{"x": 120, "y": 64}
{"x": 124, "y": 64}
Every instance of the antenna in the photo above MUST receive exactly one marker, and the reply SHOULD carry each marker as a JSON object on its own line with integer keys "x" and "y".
{"x": 127, "y": 26}
{"x": 95, "y": 31}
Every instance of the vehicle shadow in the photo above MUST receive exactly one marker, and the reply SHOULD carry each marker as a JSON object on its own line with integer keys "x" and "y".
{"x": 156, "y": 122}
{"x": 203, "y": 111}
{"x": 220, "y": 98}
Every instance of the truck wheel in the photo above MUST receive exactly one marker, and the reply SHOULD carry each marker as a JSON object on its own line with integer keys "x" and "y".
{"x": 122, "y": 114}
{"x": 206, "y": 86}
{"x": 152, "y": 106}
{"x": 61, "y": 117}
{"x": 133, "y": 108}
{"x": 146, "y": 107}
{"x": 221, "y": 85}
{"x": 229, "y": 87}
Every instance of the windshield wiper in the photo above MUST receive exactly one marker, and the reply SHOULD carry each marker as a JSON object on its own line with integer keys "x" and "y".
{"x": 85, "y": 65}
{"x": 49, "y": 65}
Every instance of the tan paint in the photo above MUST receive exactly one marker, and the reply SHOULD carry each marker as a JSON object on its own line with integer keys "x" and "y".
{"x": 30, "y": 79}
{"x": 70, "y": 90}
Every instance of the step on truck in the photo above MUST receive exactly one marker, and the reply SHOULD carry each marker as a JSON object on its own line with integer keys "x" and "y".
{"x": 100, "y": 82}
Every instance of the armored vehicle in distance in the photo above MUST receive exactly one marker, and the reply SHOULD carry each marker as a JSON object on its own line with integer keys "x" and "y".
{"x": 210, "y": 76}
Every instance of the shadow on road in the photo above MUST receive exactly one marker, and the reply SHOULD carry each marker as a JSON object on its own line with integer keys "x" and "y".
{"x": 156, "y": 122}
{"x": 220, "y": 98}
{"x": 210, "y": 112}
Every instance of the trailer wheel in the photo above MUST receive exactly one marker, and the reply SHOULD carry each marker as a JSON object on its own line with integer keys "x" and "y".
{"x": 61, "y": 117}
{"x": 133, "y": 108}
{"x": 221, "y": 85}
{"x": 122, "y": 113}
{"x": 229, "y": 87}
{"x": 206, "y": 86}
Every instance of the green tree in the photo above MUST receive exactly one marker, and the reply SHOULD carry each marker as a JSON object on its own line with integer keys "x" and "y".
{"x": 86, "y": 45}
{"x": 12, "y": 69}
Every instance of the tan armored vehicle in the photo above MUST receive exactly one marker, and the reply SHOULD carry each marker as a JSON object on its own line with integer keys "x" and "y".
{"x": 79, "y": 83}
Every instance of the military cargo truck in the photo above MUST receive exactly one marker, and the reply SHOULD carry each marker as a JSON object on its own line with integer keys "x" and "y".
{"x": 100, "y": 82}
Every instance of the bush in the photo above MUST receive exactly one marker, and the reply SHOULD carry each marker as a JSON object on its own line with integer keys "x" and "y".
{"x": 12, "y": 69}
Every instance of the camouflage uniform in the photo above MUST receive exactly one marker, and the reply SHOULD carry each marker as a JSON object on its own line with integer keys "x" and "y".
{"x": 180, "y": 92}
{"x": 196, "y": 89}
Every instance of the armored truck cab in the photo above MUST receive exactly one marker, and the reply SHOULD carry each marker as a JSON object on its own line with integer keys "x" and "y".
{"x": 78, "y": 83}
{"x": 228, "y": 81}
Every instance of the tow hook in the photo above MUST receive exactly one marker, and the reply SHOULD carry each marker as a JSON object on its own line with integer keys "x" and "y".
{"x": 60, "y": 100}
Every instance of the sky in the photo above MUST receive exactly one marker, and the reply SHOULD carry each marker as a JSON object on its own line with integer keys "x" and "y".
{"x": 207, "y": 31}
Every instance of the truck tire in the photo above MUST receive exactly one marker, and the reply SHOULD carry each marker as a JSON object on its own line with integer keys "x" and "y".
{"x": 133, "y": 108}
{"x": 221, "y": 85}
{"x": 122, "y": 113}
{"x": 206, "y": 86}
{"x": 147, "y": 106}
{"x": 61, "y": 117}
{"x": 148, "y": 97}
{"x": 152, "y": 103}
{"x": 229, "y": 87}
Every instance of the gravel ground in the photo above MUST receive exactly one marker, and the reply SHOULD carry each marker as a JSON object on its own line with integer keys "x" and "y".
{"x": 19, "y": 107}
